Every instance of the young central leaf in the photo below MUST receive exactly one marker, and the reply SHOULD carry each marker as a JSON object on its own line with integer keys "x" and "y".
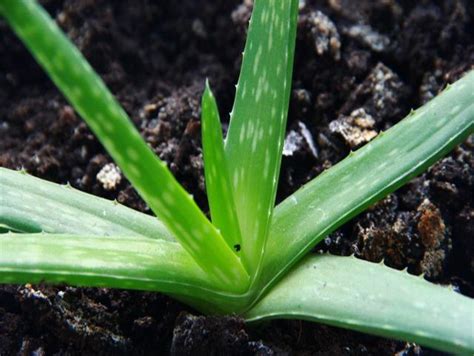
{"x": 257, "y": 127}
{"x": 218, "y": 186}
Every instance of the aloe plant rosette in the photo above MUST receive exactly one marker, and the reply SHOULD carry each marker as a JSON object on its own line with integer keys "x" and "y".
{"x": 233, "y": 263}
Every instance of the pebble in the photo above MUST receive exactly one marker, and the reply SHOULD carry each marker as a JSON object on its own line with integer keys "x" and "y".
{"x": 109, "y": 176}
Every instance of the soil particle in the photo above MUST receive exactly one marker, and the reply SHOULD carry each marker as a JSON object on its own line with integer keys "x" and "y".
{"x": 380, "y": 95}
{"x": 424, "y": 31}
{"x": 357, "y": 61}
{"x": 430, "y": 225}
{"x": 323, "y": 32}
{"x": 356, "y": 129}
{"x": 432, "y": 232}
{"x": 367, "y": 36}
{"x": 86, "y": 327}
{"x": 241, "y": 15}
{"x": 386, "y": 234}
{"x": 110, "y": 176}
{"x": 383, "y": 14}
{"x": 296, "y": 337}
{"x": 430, "y": 85}
{"x": 10, "y": 327}
{"x": 301, "y": 103}
{"x": 299, "y": 141}
{"x": 196, "y": 335}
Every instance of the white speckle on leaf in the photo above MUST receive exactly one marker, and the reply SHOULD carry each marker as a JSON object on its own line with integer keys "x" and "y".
{"x": 254, "y": 144}
{"x": 242, "y": 134}
{"x": 455, "y": 110}
{"x": 236, "y": 180}
{"x": 58, "y": 62}
{"x": 133, "y": 170}
{"x": 244, "y": 90}
{"x": 108, "y": 126}
{"x": 168, "y": 198}
{"x": 258, "y": 94}
{"x": 266, "y": 166}
{"x": 294, "y": 200}
{"x": 76, "y": 92}
{"x": 394, "y": 152}
{"x": 439, "y": 124}
{"x": 132, "y": 154}
{"x": 257, "y": 60}
{"x": 273, "y": 112}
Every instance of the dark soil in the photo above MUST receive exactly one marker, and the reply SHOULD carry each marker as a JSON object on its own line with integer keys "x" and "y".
{"x": 360, "y": 66}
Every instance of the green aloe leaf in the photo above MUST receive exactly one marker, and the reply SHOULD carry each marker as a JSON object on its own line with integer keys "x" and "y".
{"x": 372, "y": 298}
{"x": 126, "y": 262}
{"x": 112, "y": 261}
{"x": 218, "y": 185}
{"x": 258, "y": 120}
{"x": 367, "y": 175}
{"x": 30, "y": 204}
{"x": 150, "y": 177}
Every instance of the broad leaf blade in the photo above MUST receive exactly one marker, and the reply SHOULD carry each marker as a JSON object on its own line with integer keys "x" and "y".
{"x": 30, "y": 204}
{"x": 372, "y": 298}
{"x": 150, "y": 177}
{"x": 367, "y": 175}
{"x": 218, "y": 185}
{"x": 112, "y": 261}
{"x": 258, "y": 120}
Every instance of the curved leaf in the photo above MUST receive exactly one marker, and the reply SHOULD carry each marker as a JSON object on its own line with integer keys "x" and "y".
{"x": 30, "y": 204}
{"x": 367, "y": 175}
{"x": 113, "y": 261}
{"x": 127, "y": 262}
{"x": 372, "y": 298}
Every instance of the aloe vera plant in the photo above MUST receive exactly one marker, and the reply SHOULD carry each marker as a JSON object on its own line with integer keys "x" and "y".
{"x": 236, "y": 263}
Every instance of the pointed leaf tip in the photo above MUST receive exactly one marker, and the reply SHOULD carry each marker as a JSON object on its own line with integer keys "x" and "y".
{"x": 218, "y": 184}
{"x": 256, "y": 132}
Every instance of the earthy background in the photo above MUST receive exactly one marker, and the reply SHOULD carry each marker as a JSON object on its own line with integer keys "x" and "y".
{"x": 360, "y": 66}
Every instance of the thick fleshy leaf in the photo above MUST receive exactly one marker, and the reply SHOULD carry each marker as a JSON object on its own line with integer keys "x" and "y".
{"x": 30, "y": 204}
{"x": 258, "y": 120}
{"x": 112, "y": 261}
{"x": 218, "y": 185}
{"x": 367, "y": 175}
{"x": 372, "y": 298}
{"x": 150, "y": 177}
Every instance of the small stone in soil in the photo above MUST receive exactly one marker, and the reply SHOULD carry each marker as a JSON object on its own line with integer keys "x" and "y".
{"x": 299, "y": 140}
{"x": 356, "y": 129}
{"x": 109, "y": 176}
{"x": 368, "y": 37}
{"x": 324, "y": 34}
